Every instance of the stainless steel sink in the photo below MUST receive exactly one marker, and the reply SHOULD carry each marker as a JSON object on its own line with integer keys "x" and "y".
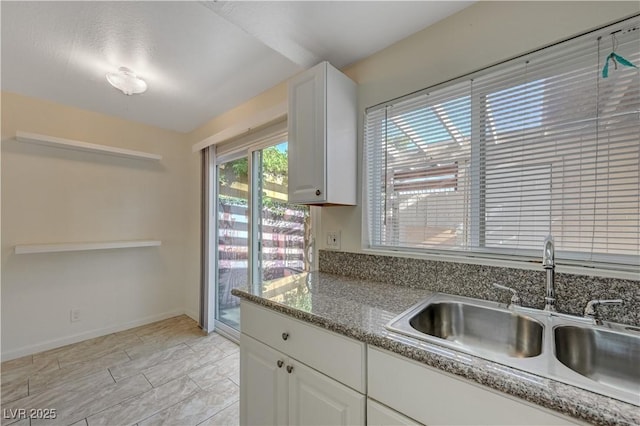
{"x": 481, "y": 327}
{"x": 607, "y": 357}
{"x": 603, "y": 358}
{"x": 477, "y": 327}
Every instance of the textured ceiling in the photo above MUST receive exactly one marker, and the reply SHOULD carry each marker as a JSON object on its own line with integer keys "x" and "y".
{"x": 199, "y": 59}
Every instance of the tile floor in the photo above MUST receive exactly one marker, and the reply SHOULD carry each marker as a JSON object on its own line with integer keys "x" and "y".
{"x": 165, "y": 373}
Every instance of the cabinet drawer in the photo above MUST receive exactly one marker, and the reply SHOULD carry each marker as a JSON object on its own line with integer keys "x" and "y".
{"x": 330, "y": 353}
{"x": 433, "y": 397}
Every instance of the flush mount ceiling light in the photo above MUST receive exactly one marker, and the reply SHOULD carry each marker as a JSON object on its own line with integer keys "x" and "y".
{"x": 126, "y": 81}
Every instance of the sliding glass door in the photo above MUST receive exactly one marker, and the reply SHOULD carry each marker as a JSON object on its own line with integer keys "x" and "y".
{"x": 260, "y": 237}
{"x": 283, "y": 230}
{"x": 233, "y": 238}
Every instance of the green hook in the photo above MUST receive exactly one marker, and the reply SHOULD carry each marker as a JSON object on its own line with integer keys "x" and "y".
{"x": 615, "y": 58}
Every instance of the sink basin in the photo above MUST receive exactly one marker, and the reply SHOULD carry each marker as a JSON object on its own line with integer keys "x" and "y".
{"x": 601, "y": 358}
{"x": 481, "y": 327}
{"x": 607, "y": 357}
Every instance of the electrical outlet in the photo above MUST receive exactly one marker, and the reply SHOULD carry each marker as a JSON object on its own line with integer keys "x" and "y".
{"x": 75, "y": 315}
{"x": 333, "y": 240}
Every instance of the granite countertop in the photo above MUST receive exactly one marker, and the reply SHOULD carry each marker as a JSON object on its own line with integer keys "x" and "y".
{"x": 360, "y": 309}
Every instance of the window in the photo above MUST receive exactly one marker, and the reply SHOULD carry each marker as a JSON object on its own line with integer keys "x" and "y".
{"x": 492, "y": 163}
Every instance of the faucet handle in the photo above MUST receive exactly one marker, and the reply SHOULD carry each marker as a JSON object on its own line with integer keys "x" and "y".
{"x": 591, "y": 310}
{"x": 515, "y": 299}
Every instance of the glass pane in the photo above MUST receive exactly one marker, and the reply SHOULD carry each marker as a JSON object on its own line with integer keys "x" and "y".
{"x": 424, "y": 186}
{"x": 285, "y": 229}
{"x": 233, "y": 238}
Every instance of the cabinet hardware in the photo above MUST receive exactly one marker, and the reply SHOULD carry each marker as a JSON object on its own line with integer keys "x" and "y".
{"x": 318, "y": 192}
{"x": 289, "y": 369}
{"x": 280, "y": 363}
{"x": 285, "y": 336}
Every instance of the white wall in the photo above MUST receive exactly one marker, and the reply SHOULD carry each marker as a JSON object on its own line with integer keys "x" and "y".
{"x": 52, "y": 195}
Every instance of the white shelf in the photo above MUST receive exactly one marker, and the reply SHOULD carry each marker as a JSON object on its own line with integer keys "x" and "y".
{"x": 83, "y": 146}
{"x": 58, "y": 247}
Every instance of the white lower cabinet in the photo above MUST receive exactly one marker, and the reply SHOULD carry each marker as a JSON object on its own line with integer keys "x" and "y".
{"x": 264, "y": 395}
{"x": 315, "y": 399}
{"x": 277, "y": 387}
{"x": 295, "y": 373}
{"x": 380, "y": 415}
{"x": 436, "y": 398}
{"x": 278, "y": 390}
{"x": 334, "y": 355}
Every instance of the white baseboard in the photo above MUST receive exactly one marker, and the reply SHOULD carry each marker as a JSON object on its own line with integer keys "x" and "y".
{"x": 56, "y": 343}
{"x": 194, "y": 315}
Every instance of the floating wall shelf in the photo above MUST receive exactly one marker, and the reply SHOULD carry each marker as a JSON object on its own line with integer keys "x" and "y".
{"x": 84, "y": 146}
{"x": 58, "y": 247}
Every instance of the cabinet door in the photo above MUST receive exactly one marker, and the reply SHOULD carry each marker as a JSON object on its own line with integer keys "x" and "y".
{"x": 379, "y": 415}
{"x": 263, "y": 384}
{"x": 315, "y": 399}
{"x": 307, "y": 136}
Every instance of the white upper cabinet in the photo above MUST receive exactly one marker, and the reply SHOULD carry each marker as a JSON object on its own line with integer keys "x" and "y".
{"x": 322, "y": 137}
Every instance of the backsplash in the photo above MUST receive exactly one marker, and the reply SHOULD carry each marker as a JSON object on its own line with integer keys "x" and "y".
{"x": 572, "y": 291}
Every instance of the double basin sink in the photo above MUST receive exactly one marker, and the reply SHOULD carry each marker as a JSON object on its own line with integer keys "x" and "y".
{"x": 601, "y": 358}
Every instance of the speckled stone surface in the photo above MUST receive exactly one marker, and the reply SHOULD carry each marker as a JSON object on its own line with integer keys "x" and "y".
{"x": 360, "y": 308}
{"x": 572, "y": 291}
{"x": 408, "y": 272}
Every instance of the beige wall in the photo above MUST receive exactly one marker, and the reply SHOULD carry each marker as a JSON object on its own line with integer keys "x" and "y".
{"x": 52, "y": 195}
{"x": 269, "y": 98}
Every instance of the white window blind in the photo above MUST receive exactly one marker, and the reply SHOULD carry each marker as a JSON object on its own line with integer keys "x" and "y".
{"x": 494, "y": 162}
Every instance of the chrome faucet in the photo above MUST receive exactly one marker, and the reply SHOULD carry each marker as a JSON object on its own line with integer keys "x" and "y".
{"x": 591, "y": 310}
{"x": 548, "y": 263}
{"x": 515, "y": 298}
